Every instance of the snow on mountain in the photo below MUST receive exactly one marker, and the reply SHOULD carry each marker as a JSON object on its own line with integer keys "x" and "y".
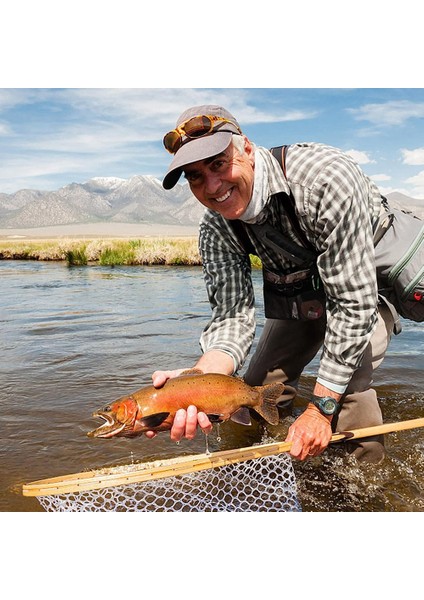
{"x": 139, "y": 199}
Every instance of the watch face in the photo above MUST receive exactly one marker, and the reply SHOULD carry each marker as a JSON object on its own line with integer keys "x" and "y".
{"x": 329, "y": 406}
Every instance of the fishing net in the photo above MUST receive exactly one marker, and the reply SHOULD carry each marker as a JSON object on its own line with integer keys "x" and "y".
{"x": 265, "y": 484}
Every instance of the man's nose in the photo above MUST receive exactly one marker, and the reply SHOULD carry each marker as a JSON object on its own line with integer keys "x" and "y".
{"x": 213, "y": 183}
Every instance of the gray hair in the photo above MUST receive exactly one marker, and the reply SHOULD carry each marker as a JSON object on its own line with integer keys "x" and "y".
{"x": 238, "y": 143}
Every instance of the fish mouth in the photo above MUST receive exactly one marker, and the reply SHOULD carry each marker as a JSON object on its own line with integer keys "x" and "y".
{"x": 109, "y": 428}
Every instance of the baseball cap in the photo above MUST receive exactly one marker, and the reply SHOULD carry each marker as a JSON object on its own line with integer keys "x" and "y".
{"x": 200, "y": 148}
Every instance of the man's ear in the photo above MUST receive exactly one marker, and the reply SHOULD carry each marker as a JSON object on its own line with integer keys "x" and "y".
{"x": 249, "y": 150}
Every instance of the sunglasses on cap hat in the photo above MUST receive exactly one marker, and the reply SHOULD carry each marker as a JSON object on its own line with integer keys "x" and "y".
{"x": 194, "y": 128}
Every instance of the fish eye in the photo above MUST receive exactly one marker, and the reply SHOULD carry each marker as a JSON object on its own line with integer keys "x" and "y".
{"x": 107, "y": 409}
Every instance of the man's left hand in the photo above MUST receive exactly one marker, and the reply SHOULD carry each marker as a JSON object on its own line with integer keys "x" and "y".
{"x": 310, "y": 434}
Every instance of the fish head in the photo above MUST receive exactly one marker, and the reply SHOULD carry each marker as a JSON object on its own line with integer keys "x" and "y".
{"x": 119, "y": 418}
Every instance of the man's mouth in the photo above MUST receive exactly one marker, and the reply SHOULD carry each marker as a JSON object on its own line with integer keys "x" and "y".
{"x": 225, "y": 196}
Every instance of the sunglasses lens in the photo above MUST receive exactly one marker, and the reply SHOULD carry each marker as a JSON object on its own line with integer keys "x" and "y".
{"x": 172, "y": 141}
{"x": 197, "y": 126}
{"x": 194, "y": 128}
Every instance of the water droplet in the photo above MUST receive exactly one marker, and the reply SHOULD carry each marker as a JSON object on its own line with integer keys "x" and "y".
{"x": 207, "y": 444}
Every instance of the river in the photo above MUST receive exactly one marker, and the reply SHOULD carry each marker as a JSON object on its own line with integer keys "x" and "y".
{"x": 73, "y": 339}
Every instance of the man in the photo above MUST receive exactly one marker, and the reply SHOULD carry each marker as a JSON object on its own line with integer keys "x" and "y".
{"x": 336, "y": 206}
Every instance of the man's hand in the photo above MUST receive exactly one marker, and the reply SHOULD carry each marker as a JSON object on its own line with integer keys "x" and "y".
{"x": 310, "y": 434}
{"x": 159, "y": 378}
{"x": 186, "y": 421}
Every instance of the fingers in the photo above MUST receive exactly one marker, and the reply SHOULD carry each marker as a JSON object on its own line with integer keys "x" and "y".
{"x": 309, "y": 435}
{"x": 302, "y": 448}
{"x": 186, "y": 421}
{"x": 159, "y": 378}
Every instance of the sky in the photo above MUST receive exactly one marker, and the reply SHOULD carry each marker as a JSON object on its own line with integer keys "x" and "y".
{"x": 50, "y": 137}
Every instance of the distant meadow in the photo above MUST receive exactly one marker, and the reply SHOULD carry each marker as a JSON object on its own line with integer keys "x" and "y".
{"x": 146, "y": 251}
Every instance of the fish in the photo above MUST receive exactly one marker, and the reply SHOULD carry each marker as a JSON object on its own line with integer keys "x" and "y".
{"x": 221, "y": 397}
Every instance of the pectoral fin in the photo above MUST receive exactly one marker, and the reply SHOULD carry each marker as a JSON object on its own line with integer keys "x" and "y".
{"x": 154, "y": 420}
{"x": 214, "y": 418}
{"x": 241, "y": 416}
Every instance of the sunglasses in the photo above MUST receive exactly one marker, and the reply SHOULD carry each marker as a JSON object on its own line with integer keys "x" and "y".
{"x": 194, "y": 128}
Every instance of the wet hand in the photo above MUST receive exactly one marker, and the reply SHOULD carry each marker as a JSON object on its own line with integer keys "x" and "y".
{"x": 186, "y": 422}
{"x": 310, "y": 434}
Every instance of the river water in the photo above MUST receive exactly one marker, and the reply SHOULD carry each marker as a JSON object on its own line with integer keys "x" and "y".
{"x": 73, "y": 339}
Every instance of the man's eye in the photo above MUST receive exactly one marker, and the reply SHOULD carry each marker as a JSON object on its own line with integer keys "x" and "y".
{"x": 219, "y": 164}
{"x": 191, "y": 177}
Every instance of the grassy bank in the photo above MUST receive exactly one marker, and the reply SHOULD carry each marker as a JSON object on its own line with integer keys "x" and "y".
{"x": 146, "y": 251}
{"x": 149, "y": 251}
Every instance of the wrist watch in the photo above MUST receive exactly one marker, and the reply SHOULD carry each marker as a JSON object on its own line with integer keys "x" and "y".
{"x": 327, "y": 405}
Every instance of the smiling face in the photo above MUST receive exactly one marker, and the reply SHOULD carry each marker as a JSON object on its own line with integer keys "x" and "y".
{"x": 224, "y": 183}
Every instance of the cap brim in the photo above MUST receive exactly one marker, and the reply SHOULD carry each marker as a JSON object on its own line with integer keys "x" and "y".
{"x": 193, "y": 151}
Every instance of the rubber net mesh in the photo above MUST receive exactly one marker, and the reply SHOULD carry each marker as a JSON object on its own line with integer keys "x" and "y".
{"x": 266, "y": 484}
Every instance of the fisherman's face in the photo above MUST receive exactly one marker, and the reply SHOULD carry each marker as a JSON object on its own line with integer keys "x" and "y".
{"x": 224, "y": 183}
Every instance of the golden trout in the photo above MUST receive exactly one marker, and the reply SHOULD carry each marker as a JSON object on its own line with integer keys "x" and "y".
{"x": 221, "y": 397}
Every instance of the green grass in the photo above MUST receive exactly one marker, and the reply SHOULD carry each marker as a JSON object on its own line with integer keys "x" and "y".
{"x": 144, "y": 251}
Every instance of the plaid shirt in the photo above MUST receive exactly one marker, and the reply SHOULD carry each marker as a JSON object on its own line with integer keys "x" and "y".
{"x": 336, "y": 204}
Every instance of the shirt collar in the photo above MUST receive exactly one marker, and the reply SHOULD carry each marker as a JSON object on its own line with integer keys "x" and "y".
{"x": 268, "y": 180}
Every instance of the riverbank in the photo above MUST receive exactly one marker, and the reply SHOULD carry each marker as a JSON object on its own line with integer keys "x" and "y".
{"x": 105, "y": 251}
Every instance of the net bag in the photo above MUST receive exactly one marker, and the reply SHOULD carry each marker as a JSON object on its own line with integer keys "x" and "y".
{"x": 265, "y": 484}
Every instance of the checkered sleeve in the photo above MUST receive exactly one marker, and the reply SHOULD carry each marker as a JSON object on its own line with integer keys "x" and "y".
{"x": 337, "y": 210}
{"x": 227, "y": 274}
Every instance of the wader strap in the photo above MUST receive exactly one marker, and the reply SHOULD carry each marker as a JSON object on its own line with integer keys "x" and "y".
{"x": 383, "y": 223}
{"x": 280, "y": 153}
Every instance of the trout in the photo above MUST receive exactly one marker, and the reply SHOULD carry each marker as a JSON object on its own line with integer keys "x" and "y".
{"x": 221, "y": 397}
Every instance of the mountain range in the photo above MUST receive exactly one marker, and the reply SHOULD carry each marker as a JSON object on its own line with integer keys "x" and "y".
{"x": 140, "y": 199}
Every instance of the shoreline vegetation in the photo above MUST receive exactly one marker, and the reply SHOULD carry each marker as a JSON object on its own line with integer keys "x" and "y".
{"x": 108, "y": 252}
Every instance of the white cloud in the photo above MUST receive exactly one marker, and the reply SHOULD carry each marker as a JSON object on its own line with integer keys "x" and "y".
{"x": 413, "y": 157}
{"x": 394, "y": 112}
{"x": 417, "y": 179}
{"x": 4, "y": 129}
{"x": 360, "y": 157}
{"x": 380, "y": 177}
{"x": 418, "y": 182}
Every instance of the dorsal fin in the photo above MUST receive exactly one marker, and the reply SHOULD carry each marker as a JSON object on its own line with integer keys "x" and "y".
{"x": 191, "y": 372}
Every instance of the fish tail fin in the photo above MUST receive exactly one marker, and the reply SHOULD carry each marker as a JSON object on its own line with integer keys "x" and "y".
{"x": 269, "y": 398}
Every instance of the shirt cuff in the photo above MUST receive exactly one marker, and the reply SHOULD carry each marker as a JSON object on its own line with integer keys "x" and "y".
{"x": 339, "y": 389}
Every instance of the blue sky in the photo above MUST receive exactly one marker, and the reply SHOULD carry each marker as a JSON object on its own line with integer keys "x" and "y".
{"x": 50, "y": 137}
